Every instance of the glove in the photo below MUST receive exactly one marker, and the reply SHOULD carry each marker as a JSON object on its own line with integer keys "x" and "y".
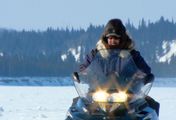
{"x": 149, "y": 78}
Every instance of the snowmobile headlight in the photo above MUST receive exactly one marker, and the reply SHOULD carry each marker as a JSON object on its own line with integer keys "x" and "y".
{"x": 118, "y": 97}
{"x": 100, "y": 96}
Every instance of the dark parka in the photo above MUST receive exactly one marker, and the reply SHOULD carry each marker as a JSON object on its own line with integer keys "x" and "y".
{"x": 115, "y": 26}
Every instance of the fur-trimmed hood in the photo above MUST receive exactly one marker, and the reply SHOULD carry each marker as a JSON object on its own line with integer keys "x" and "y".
{"x": 103, "y": 45}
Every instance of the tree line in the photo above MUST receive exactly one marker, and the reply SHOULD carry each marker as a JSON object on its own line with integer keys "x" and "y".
{"x": 38, "y": 53}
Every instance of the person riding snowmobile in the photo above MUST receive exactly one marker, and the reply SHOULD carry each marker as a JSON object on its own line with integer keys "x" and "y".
{"x": 115, "y": 36}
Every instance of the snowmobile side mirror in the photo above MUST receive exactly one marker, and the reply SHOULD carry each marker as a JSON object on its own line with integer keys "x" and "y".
{"x": 76, "y": 77}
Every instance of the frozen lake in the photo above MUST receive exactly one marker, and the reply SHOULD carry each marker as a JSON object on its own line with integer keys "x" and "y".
{"x": 51, "y": 103}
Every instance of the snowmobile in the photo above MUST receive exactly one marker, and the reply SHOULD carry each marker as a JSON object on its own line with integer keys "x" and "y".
{"x": 111, "y": 88}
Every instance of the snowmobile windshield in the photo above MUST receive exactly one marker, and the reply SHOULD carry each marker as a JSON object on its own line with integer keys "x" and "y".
{"x": 111, "y": 71}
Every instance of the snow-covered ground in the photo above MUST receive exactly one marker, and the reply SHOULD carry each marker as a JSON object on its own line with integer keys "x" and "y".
{"x": 35, "y": 103}
{"x": 51, "y": 103}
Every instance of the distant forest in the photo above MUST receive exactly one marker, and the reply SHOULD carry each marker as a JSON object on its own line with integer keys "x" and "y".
{"x": 38, "y": 53}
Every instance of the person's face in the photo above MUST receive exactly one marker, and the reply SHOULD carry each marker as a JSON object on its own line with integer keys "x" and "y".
{"x": 113, "y": 41}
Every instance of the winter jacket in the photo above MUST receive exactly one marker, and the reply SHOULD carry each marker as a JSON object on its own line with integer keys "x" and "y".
{"x": 138, "y": 59}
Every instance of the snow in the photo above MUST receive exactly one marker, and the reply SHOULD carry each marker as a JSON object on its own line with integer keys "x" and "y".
{"x": 76, "y": 53}
{"x": 167, "y": 98}
{"x": 1, "y": 54}
{"x": 48, "y": 98}
{"x": 35, "y": 103}
{"x": 63, "y": 57}
{"x": 169, "y": 50}
{"x": 51, "y": 103}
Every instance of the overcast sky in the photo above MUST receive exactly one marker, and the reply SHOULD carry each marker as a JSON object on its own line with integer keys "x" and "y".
{"x": 40, "y": 14}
